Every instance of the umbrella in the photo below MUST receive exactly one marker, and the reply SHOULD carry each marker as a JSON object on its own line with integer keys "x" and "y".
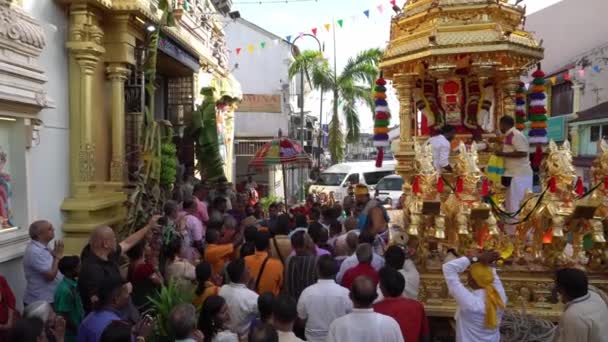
{"x": 281, "y": 151}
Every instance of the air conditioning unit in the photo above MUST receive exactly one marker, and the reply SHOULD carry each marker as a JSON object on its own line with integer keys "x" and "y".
{"x": 222, "y": 6}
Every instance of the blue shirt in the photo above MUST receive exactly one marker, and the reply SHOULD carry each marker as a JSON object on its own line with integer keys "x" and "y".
{"x": 94, "y": 324}
{"x": 38, "y": 260}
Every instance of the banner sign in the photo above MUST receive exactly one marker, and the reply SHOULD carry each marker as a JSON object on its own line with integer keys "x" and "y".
{"x": 260, "y": 103}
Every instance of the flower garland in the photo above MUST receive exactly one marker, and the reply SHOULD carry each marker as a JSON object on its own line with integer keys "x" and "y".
{"x": 538, "y": 110}
{"x": 381, "y": 120}
{"x": 520, "y": 107}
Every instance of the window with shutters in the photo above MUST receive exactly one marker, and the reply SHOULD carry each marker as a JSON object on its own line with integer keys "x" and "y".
{"x": 562, "y": 99}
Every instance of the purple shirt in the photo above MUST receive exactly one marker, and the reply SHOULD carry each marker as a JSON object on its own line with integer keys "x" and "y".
{"x": 196, "y": 232}
{"x": 94, "y": 324}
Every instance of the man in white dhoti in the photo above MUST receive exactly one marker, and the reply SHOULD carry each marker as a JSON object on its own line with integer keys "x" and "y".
{"x": 441, "y": 146}
{"x": 518, "y": 172}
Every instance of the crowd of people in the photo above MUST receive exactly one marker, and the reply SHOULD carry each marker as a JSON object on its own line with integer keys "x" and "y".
{"x": 318, "y": 272}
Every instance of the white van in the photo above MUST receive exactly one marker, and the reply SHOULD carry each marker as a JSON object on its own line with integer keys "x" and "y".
{"x": 338, "y": 177}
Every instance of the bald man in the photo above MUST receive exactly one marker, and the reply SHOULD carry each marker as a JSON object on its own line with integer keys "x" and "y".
{"x": 101, "y": 257}
{"x": 363, "y": 324}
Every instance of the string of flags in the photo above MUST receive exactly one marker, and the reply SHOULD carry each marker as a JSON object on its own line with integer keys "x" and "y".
{"x": 316, "y": 31}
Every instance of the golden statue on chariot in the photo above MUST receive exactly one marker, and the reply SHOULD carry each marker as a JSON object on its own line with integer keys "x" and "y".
{"x": 459, "y": 63}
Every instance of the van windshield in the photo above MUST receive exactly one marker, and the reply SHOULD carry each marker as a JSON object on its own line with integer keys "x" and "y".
{"x": 333, "y": 179}
{"x": 372, "y": 178}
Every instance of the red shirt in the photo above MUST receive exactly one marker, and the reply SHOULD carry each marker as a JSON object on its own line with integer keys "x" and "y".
{"x": 360, "y": 270}
{"x": 408, "y": 313}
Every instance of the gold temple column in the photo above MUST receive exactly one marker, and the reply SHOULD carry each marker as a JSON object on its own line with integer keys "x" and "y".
{"x": 404, "y": 84}
{"x": 118, "y": 73}
{"x": 508, "y": 87}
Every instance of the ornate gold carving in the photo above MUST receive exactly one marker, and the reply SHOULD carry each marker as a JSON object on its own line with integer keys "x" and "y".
{"x": 86, "y": 162}
{"x": 17, "y": 26}
{"x": 117, "y": 171}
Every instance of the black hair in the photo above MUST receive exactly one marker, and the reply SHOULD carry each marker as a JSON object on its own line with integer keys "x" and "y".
{"x": 68, "y": 264}
{"x": 189, "y": 203}
{"x": 235, "y": 270}
{"x": 208, "y": 322}
{"x": 173, "y": 248}
{"x": 110, "y": 287}
{"x": 215, "y": 224}
{"x": 117, "y": 331}
{"x": 315, "y": 213}
{"x": 327, "y": 267}
{"x": 265, "y": 305}
{"x": 198, "y": 187}
{"x": 507, "y": 120}
{"x": 315, "y": 230}
{"x": 212, "y": 236}
{"x": 283, "y": 223}
{"x": 573, "y": 282}
{"x": 248, "y": 248}
{"x": 284, "y": 309}
{"x": 137, "y": 251}
{"x": 335, "y": 227}
{"x": 218, "y": 201}
{"x": 250, "y": 233}
{"x": 272, "y": 206}
{"x": 367, "y": 236}
{"x": 203, "y": 274}
{"x": 363, "y": 291}
{"x": 395, "y": 257}
{"x": 170, "y": 207}
{"x": 391, "y": 281}
{"x": 447, "y": 129}
{"x": 301, "y": 221}
{"x": 263, "y": 333}
{"x": 298, "y": 240}
{"x": 27, "y": 330}
{"x": 262, "y": 240}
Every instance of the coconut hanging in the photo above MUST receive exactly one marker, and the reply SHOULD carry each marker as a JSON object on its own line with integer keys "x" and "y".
{"x": 381, "y": 119}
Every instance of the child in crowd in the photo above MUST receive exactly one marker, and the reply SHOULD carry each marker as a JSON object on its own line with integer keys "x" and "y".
{"x": 67, "y": 300}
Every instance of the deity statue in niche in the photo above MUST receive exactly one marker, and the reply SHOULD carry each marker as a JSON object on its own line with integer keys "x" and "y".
{"x": 450, "y": 98}
{"x": 5, "y": 193}
{"x": 425, "y": 98}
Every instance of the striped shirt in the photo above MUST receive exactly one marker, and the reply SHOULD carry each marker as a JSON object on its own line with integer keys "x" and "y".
{"x": 301, "y": 272}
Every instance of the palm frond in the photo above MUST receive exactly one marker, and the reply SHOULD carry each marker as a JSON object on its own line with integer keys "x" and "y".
{"x": 369, "y": 57}
{"x": 352, "y": 121}
{"x": 336, "y": 139}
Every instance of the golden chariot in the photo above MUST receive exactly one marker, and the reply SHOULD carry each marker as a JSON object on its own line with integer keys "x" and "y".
{"x": 459, "y": 62}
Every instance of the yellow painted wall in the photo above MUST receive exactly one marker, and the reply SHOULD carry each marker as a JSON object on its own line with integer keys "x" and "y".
{"x": 102, "y": 123}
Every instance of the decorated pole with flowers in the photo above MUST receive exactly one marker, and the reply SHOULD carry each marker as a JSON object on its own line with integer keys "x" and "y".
{"x": 520, "y": 107}
{"x": 381, "y": 119}
{"x": 538, "y": 110}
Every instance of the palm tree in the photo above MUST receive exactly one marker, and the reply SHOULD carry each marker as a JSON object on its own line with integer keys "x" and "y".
{"x": 355, "y": 83}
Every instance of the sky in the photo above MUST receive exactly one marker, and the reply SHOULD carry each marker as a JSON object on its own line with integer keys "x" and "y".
{"x": 290, "y": 17}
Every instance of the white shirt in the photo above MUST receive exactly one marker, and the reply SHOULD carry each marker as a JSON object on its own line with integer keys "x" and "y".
{"x": 441, "y": 151}
{"x": 584, "y": 320}
{"x": 320, "y": 304}
{"x": 288, "y": 337}
{"x": 364, "y": 325}
{"x": 351, "y": 261}
{"x": 225, "y": 336}
{"x": 412, "y": 281}
{"x": 517, "y": 143}
{"x": 242, "y": 305}
{"x": 471, "y": 312}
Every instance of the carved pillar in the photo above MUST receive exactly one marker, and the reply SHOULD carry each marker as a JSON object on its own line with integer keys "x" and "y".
{"x": 508, "y": 88}
{"x": 118, "y": 73}
{"x": 404, "y": 83}
{"x": 85, "y": 47}
{"x": 574, "y": 135}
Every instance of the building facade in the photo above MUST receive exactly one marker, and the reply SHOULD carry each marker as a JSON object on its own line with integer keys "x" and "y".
{"x": 269, "y": 101}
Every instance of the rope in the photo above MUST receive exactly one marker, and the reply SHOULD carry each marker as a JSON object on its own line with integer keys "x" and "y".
{"x": 516, "y": 327}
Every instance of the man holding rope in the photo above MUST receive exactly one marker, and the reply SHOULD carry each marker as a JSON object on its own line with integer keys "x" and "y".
{"x": 518, "y": 172}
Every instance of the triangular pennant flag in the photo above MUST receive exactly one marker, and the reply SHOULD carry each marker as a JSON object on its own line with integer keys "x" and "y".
{"x": 581, "y": 73}
{"x": 597, "y": 68}
{"x": 394, "y": 2}
{"x": 238, "y": 51}
{"x": 300, "y": 34}
{"x": 250, "y": 48}
{"x": 314, "y": 31}
{"x": 553, "y": 80}
{"x": 288, "y": 38}
{"x": 327, "y": 26}
{"x": 567, "y": 76}
{"x": 380, "y": 8}
{"x": 366, "y": 12}
{"x": 263, "y": 45}
{"x": 340, "y": 22}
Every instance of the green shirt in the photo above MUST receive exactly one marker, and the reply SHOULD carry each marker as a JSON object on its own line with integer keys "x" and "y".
{"x": 68, "y": 303}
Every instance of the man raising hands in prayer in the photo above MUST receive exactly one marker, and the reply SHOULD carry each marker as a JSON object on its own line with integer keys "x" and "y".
{"x": 480, "y": 309}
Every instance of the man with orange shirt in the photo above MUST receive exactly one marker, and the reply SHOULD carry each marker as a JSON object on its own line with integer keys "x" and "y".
{"x": 216, "y": 254}
{"x": 267, "y": 271}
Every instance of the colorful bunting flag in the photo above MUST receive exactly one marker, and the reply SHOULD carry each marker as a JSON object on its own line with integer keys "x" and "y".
{"x": 380, "y": 8}
{"x": 340, "y": 22}
{"x": 327, "y": 26}
{"x": 238, "y": 51}
{"x": 314, "y": 31}
{"x": 567, "y": 76}
{"x": 581, "y": 73}
{"x": 553, "y": 80}
{"x": 250, "y": 48}
{"x": 394, "y": 2}
{"x": 597, "y": 68}
{"x": 366, "y": 12}
{"x": 263, "y": 45}
{"x": 300, "y": 34}
{"x": 289, "y": 38}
